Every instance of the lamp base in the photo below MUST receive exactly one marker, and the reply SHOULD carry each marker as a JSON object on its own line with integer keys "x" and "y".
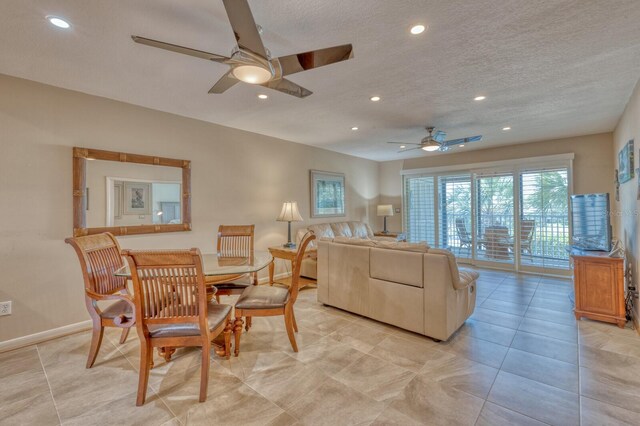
{"x": 289, "y": 245}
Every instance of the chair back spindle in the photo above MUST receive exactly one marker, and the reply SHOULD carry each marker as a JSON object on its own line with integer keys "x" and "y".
{"x": 99, "y": 257}
{"x": 168, "y": 287}
{"x": 235, "y": 240}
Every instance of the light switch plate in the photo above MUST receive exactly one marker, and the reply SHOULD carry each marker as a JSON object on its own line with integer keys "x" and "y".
{"x": 5, "y": 308}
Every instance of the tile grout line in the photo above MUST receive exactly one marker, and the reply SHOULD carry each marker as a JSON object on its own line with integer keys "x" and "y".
{"x": 55, "y": 406}
{"x": 496, "y": 378}
{"x": 157, "y": 393}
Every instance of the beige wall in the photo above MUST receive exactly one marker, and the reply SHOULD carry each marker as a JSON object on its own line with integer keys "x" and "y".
{"x": 238, "y": 177}
{"x": 626, "y": 212}
{"x": 592, "y": 166}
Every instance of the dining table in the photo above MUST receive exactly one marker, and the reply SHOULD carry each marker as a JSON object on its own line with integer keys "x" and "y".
{"x": 214, "y": 264}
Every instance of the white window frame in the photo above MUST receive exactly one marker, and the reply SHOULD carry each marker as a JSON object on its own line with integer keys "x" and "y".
{"x": 515, "y": 166}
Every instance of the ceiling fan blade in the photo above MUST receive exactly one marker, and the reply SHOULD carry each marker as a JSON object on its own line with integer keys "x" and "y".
{"x": 226, "y": 82}
{"x": 314, "y": 59}
{"x": 439, "y": 136}
{"x": 290, "y": 88}
{"x": 405, "y": 143}
{"x": 244, "y": 27}
{"x": 179, "y": 49}
{"x": 464, "y": 140}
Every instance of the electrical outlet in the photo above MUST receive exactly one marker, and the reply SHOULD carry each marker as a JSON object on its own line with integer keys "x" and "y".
{"x": 5, "y": 308}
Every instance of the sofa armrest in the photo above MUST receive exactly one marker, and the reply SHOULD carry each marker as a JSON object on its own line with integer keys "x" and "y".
{"x": 466, "y": 277}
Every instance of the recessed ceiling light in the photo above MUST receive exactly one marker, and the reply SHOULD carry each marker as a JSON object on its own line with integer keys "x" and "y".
{"x": 375, "y": 98}
{"x": 58, "y": 22}
{"x": 262, "y": 96}
{"x": 403, "y": 146}
{"x": 504, "y": 129}
{"x": 461, "y": 146}
{"x": 479, "y": 98}
{"x": 354, "y": 128}
{"x": 418, "y": 29}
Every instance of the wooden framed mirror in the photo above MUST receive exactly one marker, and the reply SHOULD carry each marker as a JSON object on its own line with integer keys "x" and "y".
{"x": 129, "y": 194}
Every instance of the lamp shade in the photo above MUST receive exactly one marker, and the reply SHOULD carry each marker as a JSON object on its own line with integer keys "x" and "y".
{"x": 289, "y": 212}
{"x": 385, "y": 210}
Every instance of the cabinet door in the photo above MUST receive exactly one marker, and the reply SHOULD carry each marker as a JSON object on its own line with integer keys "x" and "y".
{"x": 597, "y": 287}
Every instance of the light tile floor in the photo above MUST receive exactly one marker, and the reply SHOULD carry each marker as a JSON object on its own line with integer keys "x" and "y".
{"x": 520, "y": 359}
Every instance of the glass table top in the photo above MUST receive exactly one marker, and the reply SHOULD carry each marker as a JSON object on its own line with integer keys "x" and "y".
{"x": 216, "y": 264}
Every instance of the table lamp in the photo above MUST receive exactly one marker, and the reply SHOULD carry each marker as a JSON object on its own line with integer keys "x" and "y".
{"x": 289, "y": 214}
{"x": 385, "y": 210}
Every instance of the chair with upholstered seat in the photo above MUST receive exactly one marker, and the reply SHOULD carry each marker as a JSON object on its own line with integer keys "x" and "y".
{"x": 172, "y": 309}
{"x": 233, "y": 241}
{"x": 99, "y": 257}
{"x": 263, "y": 301}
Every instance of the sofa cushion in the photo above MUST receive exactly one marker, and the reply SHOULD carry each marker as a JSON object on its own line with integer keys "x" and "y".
{"x": 341, "y": 229}
{"x": 360, "y": 230}
{"x": 400, "y": 245}
{"x": 355, "y": 241}
{"x": 396, "y": 266}
{"x": 322, "y": 230}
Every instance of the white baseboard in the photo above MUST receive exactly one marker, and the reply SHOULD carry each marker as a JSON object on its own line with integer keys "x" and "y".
{"x": 32, "y": 339}
{"x": 43, "y": 336}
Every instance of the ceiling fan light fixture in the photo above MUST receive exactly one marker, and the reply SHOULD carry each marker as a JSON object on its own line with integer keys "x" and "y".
{"x": 252, "y": 74}
{"x": 58, "y": 22}
{"x": 431, "y": 146}
{"x": 417, "y": 29}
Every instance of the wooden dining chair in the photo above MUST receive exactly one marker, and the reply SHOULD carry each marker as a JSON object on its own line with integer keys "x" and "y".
{"x": 99, "y": 257}
{"x": 265, "y": 301}
{"x": 233, "y": 241}
{"x": 172, "y": 309}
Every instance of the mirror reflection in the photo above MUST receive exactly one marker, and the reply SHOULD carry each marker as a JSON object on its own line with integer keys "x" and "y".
{"x": 129, "y": 194}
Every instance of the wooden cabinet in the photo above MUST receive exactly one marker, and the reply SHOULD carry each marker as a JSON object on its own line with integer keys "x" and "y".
{"x": 599, "y": 287}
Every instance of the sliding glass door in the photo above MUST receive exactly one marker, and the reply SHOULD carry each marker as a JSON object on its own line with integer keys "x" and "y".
{"x": 454, "y": 215}
{"x": 419, "y": 198}
{"x": 495, "y": 222}
{"x": 544, "y": 218}
{"x": 514, "y": 218}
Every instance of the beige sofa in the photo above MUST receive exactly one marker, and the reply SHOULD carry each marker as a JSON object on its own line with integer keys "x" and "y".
{"x": 350, "y": 229}
{"x": 407, "y": 285}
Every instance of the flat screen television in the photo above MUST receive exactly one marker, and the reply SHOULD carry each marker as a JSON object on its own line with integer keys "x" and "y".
{"x": 591, "y": 222}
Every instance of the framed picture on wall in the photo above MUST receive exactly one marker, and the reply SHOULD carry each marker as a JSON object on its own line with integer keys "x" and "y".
{"x": 625, "y": 163}
{"x": 327, "y": 194}
{"x": 137, "y": 198}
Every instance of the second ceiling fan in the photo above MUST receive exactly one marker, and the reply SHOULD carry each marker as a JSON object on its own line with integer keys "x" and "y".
{"x": 435, "y": 141}
{"x": 251, "y": 62}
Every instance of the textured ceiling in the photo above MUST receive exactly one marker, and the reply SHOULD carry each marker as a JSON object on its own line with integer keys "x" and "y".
{"x": 549, "y": 68}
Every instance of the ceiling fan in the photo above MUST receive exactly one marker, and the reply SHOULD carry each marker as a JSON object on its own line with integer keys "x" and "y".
{"x": 251, "y": 62}
{"x": 435, "y": 141}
